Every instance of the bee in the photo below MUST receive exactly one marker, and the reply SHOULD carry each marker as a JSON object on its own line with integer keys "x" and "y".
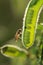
{"x": 18, "y": 34}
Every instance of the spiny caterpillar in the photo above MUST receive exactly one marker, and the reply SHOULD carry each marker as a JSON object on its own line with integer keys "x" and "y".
{"x": 30, "y": 22}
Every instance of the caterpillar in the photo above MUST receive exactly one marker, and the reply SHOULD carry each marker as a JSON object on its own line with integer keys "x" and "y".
{"x": 30, "y": 22}
{"x": 12, "y": 51}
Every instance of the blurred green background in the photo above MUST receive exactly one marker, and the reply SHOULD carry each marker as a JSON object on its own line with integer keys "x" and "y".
{"x": 11, "y": 18}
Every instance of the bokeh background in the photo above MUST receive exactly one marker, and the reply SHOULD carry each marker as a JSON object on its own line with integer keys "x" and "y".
{"x": 11, "y": 18}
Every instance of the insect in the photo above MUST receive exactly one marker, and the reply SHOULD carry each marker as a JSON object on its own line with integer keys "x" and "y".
{"x": 30, "y": 22}
{"x": 18, "y": 34}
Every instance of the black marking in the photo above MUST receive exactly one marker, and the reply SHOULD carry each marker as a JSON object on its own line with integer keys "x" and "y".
{"x": 28, "y": 27}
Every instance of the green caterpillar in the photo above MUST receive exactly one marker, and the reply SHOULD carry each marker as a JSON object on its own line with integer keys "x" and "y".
{"x": 30, "y": 20}
{"x": 12, "y": 51}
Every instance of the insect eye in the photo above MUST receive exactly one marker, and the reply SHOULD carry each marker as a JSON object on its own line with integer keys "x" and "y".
{"x": 19, "y": 31}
